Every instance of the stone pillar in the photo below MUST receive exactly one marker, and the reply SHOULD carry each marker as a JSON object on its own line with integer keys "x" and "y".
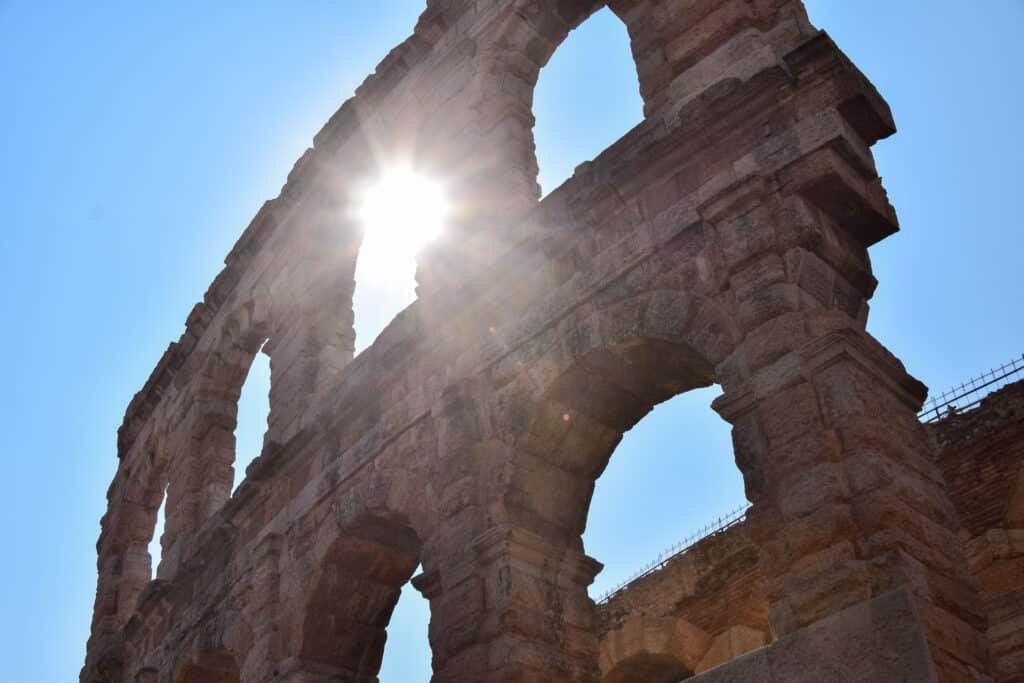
{"x": 312, "y": 347}
{"x": 312, "y": 335}
{"x": 848, "y": 503}
{"x": 515, "y": 609}
{"x": 263, "y": 611}
{"x": 201, "y": 472}
{"x": 124, "y": 568}
{"x": 104, "y": 649}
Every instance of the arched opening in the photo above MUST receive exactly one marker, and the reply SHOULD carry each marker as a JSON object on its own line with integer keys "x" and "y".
{"x": 587, "y": 97}
{"x": 229, "y": 372}
{"x": 202, "y": 482}
{"x": 218, "y": 468}
{"x": 385, "y": 286}
{"x": 253, "y": 415}
{"x": 636, "y": 380}
{"x": 407, "y": 656}
{"x": 585, "y": 413}
{"x": 676, "y": 469}
{"x": 649, "y": 668}
{"x": 354, "y": 595}
{"x": 400, "y": 212}
{"x": 651, "y": 650}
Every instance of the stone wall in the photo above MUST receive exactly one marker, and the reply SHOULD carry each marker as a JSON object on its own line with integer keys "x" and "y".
{"x": 982, "y": 453}
{"x": 723, "y": 240}
{"x": 704, "y": 607}
{"x": 707, "y": 606}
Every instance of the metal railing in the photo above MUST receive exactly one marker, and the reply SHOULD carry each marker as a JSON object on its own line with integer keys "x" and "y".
{"x": 718, "y": 526}
{"x": 971, "y": 392}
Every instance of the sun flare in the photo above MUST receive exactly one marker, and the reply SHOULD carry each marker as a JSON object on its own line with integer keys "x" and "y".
{"x": 400, "y": 213}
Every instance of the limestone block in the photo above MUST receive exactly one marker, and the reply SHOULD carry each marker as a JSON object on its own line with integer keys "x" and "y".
{"x": 879, "y": 640}
{"x": 737, "y": 641}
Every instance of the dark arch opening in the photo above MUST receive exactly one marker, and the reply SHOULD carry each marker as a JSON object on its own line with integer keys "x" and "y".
{"x": 586, "y": 98}
{"x": 354, "y": 596}
{"x": 649, "y": 668}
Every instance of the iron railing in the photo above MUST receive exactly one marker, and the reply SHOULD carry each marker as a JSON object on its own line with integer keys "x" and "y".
{"x": 718, "y": 526}
{"x": 971, "y": 392}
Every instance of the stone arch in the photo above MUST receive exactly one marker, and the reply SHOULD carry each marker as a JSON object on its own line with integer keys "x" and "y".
{"x": 343, "y": 580}
{"x": 484, "y": 145}
{"x": 562, "y": 402}
{"x": 125, "y": 564}
{"x": 571, "y": 87}
{"x": 354, "y": 590}
{"x": 496, "y": 153}
{"x": 652, "y": 650}
{"x": 604, "y": 369}
{"x": 201, "y": 481}
{"x": 509, "y": 60}
{"x": 131, "y": 524}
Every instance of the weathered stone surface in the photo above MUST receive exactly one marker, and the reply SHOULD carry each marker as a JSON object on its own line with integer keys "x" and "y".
{"x": 717, "y": 585}
{"x": 722, "y": 240}
{"x": 714, "y": 589}
{"x": 982, "y": 457}
{"x": 731, "y": 644}
{"x": 879, "y": 640}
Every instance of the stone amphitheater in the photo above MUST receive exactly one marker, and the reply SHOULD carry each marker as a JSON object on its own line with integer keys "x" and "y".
{"x": 724, "y": 240}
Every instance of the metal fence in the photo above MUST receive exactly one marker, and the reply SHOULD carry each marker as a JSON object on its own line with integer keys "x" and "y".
{"x": 971, "y": 392}
{"x": 716, "y": 527}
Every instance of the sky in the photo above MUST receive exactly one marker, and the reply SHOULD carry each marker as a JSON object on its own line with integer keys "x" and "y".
{"x": 139, "y": 139}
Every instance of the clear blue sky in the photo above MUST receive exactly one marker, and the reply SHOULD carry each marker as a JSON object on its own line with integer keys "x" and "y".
{"x": 138, "y": 139}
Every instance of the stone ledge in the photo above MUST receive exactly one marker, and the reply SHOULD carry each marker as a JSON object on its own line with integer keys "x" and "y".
{"x": 879, "y": 640}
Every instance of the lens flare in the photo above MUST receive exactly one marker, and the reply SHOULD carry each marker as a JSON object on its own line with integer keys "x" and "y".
{"x": 400, "y": 213}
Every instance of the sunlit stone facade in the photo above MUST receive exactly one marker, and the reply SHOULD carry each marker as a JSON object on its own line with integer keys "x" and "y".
{"x": 723, "y": 240}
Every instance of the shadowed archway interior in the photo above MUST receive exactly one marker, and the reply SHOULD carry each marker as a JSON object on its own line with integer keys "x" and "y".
{"x": 359, "y": 583}
{"x": 649, "y": 668}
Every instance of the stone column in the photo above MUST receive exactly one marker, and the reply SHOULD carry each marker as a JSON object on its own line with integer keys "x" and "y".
{"x": 848, "y": 503}
{"x": 263, "y": 611}
{"x": 312, "y": 337}
{"x": 201, "y": 470}
{"x": 124, "y": 567}
{"x": 515, "y": 609}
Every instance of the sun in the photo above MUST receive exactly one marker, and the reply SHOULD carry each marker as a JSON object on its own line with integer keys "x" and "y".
{"x": 400, "y": 213}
